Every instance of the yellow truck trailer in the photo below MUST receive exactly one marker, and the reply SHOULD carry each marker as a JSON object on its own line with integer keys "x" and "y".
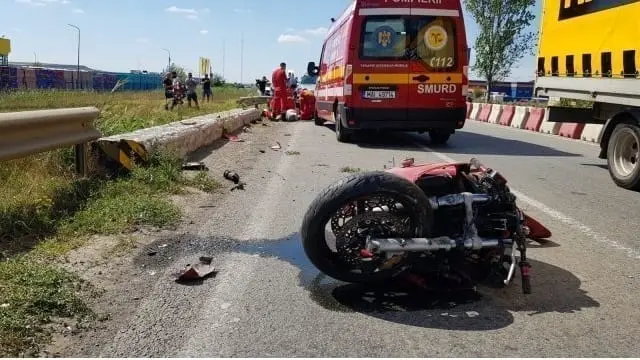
{"x": 590, "y": 50}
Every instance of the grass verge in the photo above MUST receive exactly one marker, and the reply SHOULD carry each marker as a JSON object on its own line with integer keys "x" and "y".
{"x": 45, "y": 211}
{"x": 120, "y": 112}
{"x": 33, "y": 291}
{"x": 349, "y": 169}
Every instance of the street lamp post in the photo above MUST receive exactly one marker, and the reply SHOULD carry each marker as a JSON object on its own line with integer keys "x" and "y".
{"x": 80, "y": 149}
{"x": 169, "y": 64}
{"x": 78, "y": 78}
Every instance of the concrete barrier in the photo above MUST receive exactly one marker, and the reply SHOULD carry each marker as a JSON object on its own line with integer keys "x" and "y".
{"x": 548, "y": 127}
{"x": 485, "y": 112}
{"x": 181, "y": 138}
{"x": 520, "y": 117}
{"x": 496, "y": 111}
{"x": 592, "y": 132}
{"x": 534, "y": 121}
{"x": 507, "y": 115}
{"x": 475, "y": 110}
{"x": 571, "y": 130}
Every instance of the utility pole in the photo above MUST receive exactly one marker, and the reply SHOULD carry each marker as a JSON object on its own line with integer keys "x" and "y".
{"x": 241, "y": 56}
{"x": 78, "y": 78}
{"x": 224, "y": 47}
{"x": 169, "y": 64}
{"x": 35, "y": 59}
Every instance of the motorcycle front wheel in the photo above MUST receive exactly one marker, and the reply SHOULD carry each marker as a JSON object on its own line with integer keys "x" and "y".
{"x": 374, "y": 204}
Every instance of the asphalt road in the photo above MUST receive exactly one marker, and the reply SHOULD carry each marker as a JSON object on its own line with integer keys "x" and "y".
{"x": 268, "y": 300}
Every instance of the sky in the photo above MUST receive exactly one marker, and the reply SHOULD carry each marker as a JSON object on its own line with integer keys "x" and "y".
{"x": 124, "y": 35}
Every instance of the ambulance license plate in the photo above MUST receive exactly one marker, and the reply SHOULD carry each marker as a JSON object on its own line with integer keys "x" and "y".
{"x": 379, "y": 94}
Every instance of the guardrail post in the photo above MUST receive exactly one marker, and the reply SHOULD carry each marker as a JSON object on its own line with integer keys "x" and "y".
{"x": 81, "y": 159}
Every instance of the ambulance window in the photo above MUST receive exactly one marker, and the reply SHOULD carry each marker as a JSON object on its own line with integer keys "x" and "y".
{"x": 436, "y": 43}
{"x": 383, "y": 38}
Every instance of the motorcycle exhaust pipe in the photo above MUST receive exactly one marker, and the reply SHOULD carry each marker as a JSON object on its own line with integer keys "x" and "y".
{"x": 423, "y": 244}
{"x": 457, "y": 199}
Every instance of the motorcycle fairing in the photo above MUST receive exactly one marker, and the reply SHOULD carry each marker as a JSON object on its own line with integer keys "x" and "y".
{"x": 414, "y": 173}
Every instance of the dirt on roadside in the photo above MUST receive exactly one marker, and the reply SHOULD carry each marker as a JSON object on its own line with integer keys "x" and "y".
{"x": 108, "y": 262}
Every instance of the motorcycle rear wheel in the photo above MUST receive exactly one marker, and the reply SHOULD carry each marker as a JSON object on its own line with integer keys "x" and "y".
{"x": 331, "y": 200}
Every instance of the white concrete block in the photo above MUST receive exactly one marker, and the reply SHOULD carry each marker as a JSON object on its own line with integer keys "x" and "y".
{"x": 496, "y": 111}
{"x": 186, "y": 136}
{"x": 549, "y": 127}
{"x": 475, "y": 111}
{"x": 592, "y": 132}
{"x": 520, "y": 117}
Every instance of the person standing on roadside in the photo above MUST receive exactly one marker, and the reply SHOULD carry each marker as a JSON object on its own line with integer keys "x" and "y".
{"x": 262, "y": 85}
{"x": 206, "y": 88}
{"x": 192, "y": 85}
{"x": 279, "y": 82}
{"x": 168, "y": 89}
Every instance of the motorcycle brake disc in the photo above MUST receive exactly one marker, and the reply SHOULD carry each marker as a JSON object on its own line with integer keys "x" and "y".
{"x": 352, "y": 236}
{"x": 348, "y": 211}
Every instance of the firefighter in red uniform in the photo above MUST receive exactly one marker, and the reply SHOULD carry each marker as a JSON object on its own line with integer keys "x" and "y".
{"x": 279, "y": 83}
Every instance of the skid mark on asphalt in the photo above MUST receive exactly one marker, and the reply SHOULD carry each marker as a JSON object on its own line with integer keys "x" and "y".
{"x": 555, "y": 214}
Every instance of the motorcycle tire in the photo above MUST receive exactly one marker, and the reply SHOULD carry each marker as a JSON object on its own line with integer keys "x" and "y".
{"x": 331, "y": 199}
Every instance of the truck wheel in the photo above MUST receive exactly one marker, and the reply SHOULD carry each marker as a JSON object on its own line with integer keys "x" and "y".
{"x": 623, "y": 154}
{"x": 439, "y": 137}
{"x": 317, "y": 119}
{"x": 341, "y": 134}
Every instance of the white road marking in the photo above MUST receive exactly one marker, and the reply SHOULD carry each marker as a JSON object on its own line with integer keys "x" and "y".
{"x": 234, "y": 286}
{"x": 555, "y": 214}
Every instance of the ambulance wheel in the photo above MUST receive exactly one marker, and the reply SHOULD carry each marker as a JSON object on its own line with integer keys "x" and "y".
{"x": 439, "y": 137}
{"x": 341, "y": 134}
{"x": 317, "y": 119}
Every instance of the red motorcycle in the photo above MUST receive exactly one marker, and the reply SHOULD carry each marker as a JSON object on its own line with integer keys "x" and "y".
{"x": 449, "y": 221}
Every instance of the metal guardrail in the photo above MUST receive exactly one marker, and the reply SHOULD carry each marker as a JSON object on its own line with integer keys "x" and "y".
{"x": 26, "y": 133}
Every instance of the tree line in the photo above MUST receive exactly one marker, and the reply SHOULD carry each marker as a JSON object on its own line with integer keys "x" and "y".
{"x": 503, "y": 39}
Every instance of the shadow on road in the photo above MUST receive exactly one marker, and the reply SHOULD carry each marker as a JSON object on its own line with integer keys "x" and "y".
{"x": 462, "y": 142}
{"x": 601, "y": 166}
{"x": 400, "y": 301}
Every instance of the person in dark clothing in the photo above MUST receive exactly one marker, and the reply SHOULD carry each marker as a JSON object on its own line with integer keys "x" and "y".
{"x": 191, "y": 85}
{"x": 168, "y": 90}
{"x": 262, "y": 85}
{"x": 206, "y": 88}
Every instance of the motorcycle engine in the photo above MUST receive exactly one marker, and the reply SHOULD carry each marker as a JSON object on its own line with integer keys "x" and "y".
{"x": 498, "y": 218}
{"x": 495, "y": 219}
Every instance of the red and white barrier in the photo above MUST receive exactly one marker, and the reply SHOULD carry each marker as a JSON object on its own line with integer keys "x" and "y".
{"x": 533, "y": 119}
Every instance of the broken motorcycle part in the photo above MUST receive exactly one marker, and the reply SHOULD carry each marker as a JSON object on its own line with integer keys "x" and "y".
{"x": 232, "y": 176}
{"x": 197, "y": 166}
